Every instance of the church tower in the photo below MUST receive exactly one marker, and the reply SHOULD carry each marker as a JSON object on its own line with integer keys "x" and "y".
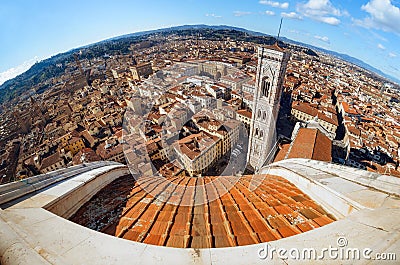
{"x": 272, "y": 62}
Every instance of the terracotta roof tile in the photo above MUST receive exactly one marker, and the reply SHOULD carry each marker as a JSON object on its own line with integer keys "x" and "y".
{"x": 218, "y": 229}
{"x": 309, "y": 213}
{"x": 245, "y": 239}
{"x": 201, "y": 242}
{"x": 154, "y": 239}
{"x": 267, "y": 236}
{"x": 304, "y": 227}
{"x": 299, "y": 198}
{"x": 287, "y": 231}
{"x": 323, "y": 220}
{"x": 277, "y": 221}
{"x": 222, "y": 241}
{"x": 283, "y": 209}
{"x": 132, "y": 235}
{"x": 177, "y": 241}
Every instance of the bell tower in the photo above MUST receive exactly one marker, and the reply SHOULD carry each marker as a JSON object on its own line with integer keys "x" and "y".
{"x": 272, "y": 62}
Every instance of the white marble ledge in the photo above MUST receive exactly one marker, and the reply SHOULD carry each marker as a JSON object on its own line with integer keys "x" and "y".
{"x": 58, "y": 190}
{"x": 337, "y": 191}
{"x": 385, "y": 183}
{"x": 64, "y": 242}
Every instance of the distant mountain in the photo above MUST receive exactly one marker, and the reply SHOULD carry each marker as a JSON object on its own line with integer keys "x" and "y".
{"x": 55, "y": 66}
{"x": 346, "y": 58}
{"x": 189, "y": 27}
{"x": 38, "y": 73}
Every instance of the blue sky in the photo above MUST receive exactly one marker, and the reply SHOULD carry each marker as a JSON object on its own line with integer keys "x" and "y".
{"x": 35, "y": 30}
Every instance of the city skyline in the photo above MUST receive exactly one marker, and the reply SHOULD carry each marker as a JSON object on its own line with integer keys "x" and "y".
{"x": 34, "y": 32}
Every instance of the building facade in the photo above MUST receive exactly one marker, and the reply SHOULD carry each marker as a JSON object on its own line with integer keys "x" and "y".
{"x": 143, "y": 69}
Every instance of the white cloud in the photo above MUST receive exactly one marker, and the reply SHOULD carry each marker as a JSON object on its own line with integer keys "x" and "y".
{"x": 241, "y": 13}
{"x": 283, "y": 5}
{"x": 380, "y": 46}
{"x": 213, "y": 15}
{"x": 322, "y": 38}
{"x": 298, "y": 32}
{"x": 383, "y": 15}
{"x": 13, "y": 72}
{"x": 392, "y": 55}
{"x": 292, "y": 15}
{"x": 293, "y": 31}
{"x": 321, "y": 10}
{"x": 377, "y": 36}
{"x": 330, "y": 20}
{"x": 270, "y": 13}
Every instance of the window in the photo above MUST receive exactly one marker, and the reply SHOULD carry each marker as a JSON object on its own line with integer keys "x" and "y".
{"x": 265, "y": 86}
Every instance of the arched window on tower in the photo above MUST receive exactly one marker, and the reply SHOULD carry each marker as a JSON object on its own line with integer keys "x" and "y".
{"x": 264, "y": 115}
{"x": 256, "y": 134}
{"x": 261, "y": 134}
{"x": 265, "y": 86}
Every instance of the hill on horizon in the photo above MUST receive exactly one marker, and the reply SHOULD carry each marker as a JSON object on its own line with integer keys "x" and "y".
{"x": 50, "y": 67}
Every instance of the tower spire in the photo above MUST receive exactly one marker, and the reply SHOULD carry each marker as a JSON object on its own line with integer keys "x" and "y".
{"x": 279, "y": 32}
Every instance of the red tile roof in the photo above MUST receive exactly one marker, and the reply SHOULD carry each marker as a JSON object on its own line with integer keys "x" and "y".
{"x": 51, "y": 160}
{"x": 245, "y": 113}
{"x": 305, "y": 108}
{"x": 312, "y": 144}
{"x": 226, "y": 213}
{"x": 282, "y": 152}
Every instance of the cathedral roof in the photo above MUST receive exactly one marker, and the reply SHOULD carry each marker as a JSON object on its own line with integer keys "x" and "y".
{"x": 216, "y": 211}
